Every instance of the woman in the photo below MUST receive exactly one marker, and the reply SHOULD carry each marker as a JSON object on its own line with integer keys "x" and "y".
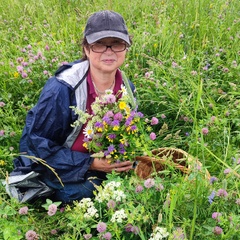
{"x": 48, "y": 133}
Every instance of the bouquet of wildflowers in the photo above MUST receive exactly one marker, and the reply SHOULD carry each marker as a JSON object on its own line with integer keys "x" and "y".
{"x": 116, "y": 130}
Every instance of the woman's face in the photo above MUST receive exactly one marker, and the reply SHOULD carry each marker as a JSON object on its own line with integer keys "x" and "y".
{"x": 105, "y": 59}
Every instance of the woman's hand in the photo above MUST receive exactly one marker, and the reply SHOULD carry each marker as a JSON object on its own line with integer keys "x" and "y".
{"x": 103, "y": 165}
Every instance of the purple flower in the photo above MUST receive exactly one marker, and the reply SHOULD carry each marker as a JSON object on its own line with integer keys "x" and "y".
{"x": 213, "y": 179}
{"x": 52, "y": 209}
{"x": 152, "y": 136}
{"x": 112, "y": 136}
{"x": 111, "y": 204}
{"x": 111, "y": 148}
{"x": 227, "y": 171}
{"x": 205, "y": 131}
{"x": 140, "y": 114}
{"x": 149, "y": 183}
{"x": 23, "y": 210}
{"x": 178, "y": 234}
{"x": 216, "y": 215}
{"x": 128, "y": 227}
{"x": 163, "y": 116}
{"x": 87, "y": 236}
{"x": 159, "y": 187}
{"x": 222, "y": 193}
{"x": 47, "y": 48}
{"x": 211, "y": 197}
{"x": 107, "y": 236}
{"x": 109, "y": 114}
{"x": 2, "y": 132}
{"x": 154, "y": 121}
{"x": 135, "y": 230}
{"x": 101, "y": 227}
{"x": 115, "y": 123}
{"x": 110, "y": 98}
{"x": 2, "y": 104}
{"x": 24, "y": 75}
{"x": 31, "y": 235}
{"x": 118, "y": 116}
{"x": 133, "y": 127}
{"x": 139, "y": 189}
{"x": 217, "y": 230}
{"x": 53, "y": 231}
{"x": 107, "y": 120}
{"x": 98, "y": 125}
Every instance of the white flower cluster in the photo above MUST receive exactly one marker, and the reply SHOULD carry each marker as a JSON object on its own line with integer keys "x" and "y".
{"x": 118, "y": 216}
{"x": 111, "y": 191}
{"x": 159, "y": 233}
{"x": 87, "y": 206}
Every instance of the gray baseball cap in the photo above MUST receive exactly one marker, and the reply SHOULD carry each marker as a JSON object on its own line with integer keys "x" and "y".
{"x": 105, "y": 24}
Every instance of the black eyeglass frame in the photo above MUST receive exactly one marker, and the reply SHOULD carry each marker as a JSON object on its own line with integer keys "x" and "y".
{"x": 108, "y": 46}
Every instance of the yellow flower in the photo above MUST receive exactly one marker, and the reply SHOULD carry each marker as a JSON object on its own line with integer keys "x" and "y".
{"x": 2, "y": 163}
{"x": 122, "y": 105}
{"x": 16, "y": 74}
{"x": 155, "y": 45}
{"x": 115, "y": 128}
{"x": 99, "y": 129}
{"x": 85, "y": 145}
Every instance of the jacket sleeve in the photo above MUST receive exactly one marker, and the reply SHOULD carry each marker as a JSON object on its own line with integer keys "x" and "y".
{"x": 47, "y": 126}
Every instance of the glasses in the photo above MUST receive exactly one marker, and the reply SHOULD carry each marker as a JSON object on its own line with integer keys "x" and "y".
{"x": 100, "y": 48}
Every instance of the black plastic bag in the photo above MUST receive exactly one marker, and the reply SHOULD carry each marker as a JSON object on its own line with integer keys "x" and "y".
{"x": 27, "y": 187}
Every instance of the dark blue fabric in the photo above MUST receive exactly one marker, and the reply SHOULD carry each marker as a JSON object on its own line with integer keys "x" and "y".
{"x": 48, "y": 125}
{"x": 77, "y": 191}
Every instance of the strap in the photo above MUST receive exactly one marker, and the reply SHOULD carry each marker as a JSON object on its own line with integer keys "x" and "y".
{"x": 79, "y": 83}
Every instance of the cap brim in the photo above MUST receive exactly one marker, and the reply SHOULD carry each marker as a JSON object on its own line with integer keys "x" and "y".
{"x": 104, "y": 34}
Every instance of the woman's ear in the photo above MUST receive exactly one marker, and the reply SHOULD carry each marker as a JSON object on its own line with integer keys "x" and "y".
{"x": 87, "y": 51}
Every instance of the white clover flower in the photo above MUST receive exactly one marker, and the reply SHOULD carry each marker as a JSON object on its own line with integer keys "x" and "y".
{"x": 159, "y": 233}
{"x": 119, "y": 216}
{"x": 118, "y": 195}
{"x": 110, "y": 191}
{"x": 91, "y": 212}
{"x": 85, "y": 203}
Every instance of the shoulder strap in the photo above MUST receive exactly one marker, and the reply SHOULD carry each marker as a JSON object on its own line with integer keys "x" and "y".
{"x": 79, "y": 83}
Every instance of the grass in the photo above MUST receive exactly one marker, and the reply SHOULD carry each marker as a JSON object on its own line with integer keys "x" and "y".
{"x": 185, "y": 64}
